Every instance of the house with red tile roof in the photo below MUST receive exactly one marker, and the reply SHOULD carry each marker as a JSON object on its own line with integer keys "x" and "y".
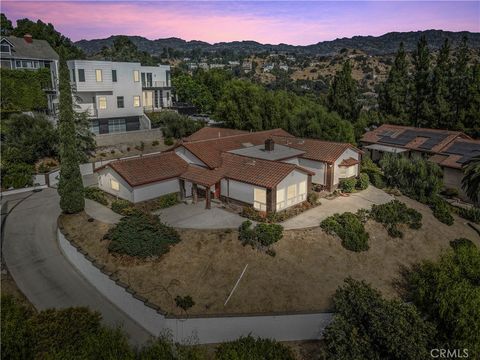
{"x": 451, "y": 150}
{"x": 269, "y": 170}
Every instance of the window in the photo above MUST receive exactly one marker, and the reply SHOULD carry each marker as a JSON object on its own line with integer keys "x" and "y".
{"x": 114, "y": 76}
{"x": 81, "y": 75}
{"x": 116, "y": 125}
{"x": 95, "y": 127}
{"x": 136, "y": 101}
{"x": 281, "y": 199}
{"x": 4, "y": 48}
{"x": 120, "y": 103}
{"x": 302, "y": 191}
{"x": 136, "y": 75}
{"x": 347, "y": 171}
{"x": 291, "y": 194}
{"x": 73, "y": 75}
{"x": 102, "y": 102}
{"x": 98, "y": 75}
{"x": 260, "y": 199}
{"x": 114, "y": 184}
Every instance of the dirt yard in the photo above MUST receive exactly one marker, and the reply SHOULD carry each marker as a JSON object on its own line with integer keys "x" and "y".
{"x": 303, "y": 276}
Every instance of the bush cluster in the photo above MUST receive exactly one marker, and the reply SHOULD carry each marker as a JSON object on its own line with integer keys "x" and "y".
{"x": 122, "y": 207}
{"x": 96, "y": 194}
{"x": 349, "y": 228}
{"x": 141, "y": 235}
{"x": 253, "y": 349}
{"x": 362, "y": 182}
{"x": 184, "y": 302}
{"x": 262, "y": 234}
{"x": 373, "y": 171}
{"x": 166, "y": 201}
{"x": 472, "y": 214}
{"x": 441, "y": 210}
{"x": 348, "y": 185}
{"x": 395, "y": 213}
{"x": 17, "y": 175}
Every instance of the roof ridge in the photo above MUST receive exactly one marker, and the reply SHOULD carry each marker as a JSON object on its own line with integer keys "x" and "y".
{"x": 235, "y": 135}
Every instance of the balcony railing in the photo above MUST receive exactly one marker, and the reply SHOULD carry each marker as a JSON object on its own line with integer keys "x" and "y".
{"x": 90, "y": 109}
{"x": 155, "y": 84}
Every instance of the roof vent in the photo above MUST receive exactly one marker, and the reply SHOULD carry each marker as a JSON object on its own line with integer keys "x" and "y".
{"x": 28, "y": 38}
{"x": 269, "y": 145}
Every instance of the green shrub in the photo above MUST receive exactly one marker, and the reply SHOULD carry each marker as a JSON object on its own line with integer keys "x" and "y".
{"x": 461, "y": 242}
{"x": 141, "y": 235}
{"x": 263, "y": 234}
{"x": 441, "y": 210}
{"x": 312, "y": 198}
{"x": 122, "y": 207}
{"x": 184, "y": 302}
{"x": 168, "y": 141}
{"x": 450, "y": 192}
{"x": 155, "y": 143}
{"x": 96, "y": 194}
{"x": 472, "y": 214}
{"x": 362, "y": 182}
{"x": 377, "y": 180}
{"x": 164, "y": 348}
{"x": 374, "y": 173}
{"x": 348, "y": 185}
{"x": 166, "y": 201}
{"x": 17, "y": 341}
{"x": 349, "y": 228}
{"x": 17, "y": 175}
{"x": 395, "y": 213}
{"x": 249, "y": 348}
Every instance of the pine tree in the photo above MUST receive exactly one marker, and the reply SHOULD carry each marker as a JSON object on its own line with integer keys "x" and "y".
{"x": 394, "y": 97}
{"x": 441, "y": 109}
{"x": 421, "y": 111}
{"x": 472, "y": 118}
{"x": 459, "y": 84}
{"x": 70, "y": 186}
{"x": 343, "y": 94}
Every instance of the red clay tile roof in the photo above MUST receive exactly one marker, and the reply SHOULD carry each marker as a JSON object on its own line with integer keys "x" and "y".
{"x": 210, "y": 151}
{"x": 349, "y": 162}
{"x": 149, "y": 168}
{"x": 394, "y": 131}
{"x": 258, "y": 172}
{"x": 201, "y": 176}
{"x": 319, "y": 150}
{"x": 207, "y": 133}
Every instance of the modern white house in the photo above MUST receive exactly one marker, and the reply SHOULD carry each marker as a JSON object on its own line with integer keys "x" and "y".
{"x": 116, "y": 95}
{"x": 31, "y": 54}
{"x": 267, "y": 170}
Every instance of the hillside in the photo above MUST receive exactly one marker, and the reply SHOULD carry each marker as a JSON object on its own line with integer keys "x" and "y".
{"x": 371, "y": 45}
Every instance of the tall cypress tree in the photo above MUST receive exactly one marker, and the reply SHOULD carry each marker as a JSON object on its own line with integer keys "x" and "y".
{"x": 394, "y": 96}
{"x": 70, "y": 186}
{"x": 343, "y": 94}
{"x": 460, "y": 83}
{"x": 441, "y": 109}
{"x": 421, "y": 111}
{"x": 472, "y": 118}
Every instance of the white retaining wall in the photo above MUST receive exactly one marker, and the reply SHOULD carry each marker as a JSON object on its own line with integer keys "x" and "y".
{"x": 204, "y": 330}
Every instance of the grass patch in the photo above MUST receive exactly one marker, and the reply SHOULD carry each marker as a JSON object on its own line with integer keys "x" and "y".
{"x": 141, "y": 235}
{"x": 349, "y": 228}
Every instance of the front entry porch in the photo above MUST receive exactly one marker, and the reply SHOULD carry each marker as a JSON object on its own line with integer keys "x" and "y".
{"x": 199, "y": 192}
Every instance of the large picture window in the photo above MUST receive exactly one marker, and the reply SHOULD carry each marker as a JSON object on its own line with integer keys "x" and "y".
{"x": 281, "y": 199}
{"x": 260, "y": 199}
{"x": 291, "y": 194}
{"x": 117, "y": 125}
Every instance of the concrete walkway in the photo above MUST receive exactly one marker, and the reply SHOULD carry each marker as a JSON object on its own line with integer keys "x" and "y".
{"x": 195, "y": 216}
{"x": 361, "y": 200}
{"x": 40, "y": 270}
{"x": 101, "y": 212}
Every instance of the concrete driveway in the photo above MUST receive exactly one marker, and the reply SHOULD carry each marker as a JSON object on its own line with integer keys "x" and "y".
{"x": 361, "y": 200}
{"x": 195, "y": 216}
{"x": 40, "y": 270}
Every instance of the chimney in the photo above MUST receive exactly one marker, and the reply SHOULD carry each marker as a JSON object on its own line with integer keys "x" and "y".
{"x": 28, "y": 38}
{"x": 269, "y": 145}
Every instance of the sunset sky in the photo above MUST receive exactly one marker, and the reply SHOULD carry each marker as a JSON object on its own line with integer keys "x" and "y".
{"x": 292, "y": 22}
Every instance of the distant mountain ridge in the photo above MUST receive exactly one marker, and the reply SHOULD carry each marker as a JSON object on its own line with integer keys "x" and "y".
{"x": 372, "y": 45}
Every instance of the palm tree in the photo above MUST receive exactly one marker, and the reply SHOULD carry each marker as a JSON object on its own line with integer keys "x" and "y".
{"x": 471, "y": 179}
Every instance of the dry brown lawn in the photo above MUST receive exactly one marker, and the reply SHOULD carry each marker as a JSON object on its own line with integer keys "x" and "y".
{"x": 303, "y": 276}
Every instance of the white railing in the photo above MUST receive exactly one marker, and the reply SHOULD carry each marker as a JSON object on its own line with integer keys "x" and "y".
{"x": 88, "y": 108}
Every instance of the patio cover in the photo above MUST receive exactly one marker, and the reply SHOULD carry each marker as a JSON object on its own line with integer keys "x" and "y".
{"x": 384, "y": 148}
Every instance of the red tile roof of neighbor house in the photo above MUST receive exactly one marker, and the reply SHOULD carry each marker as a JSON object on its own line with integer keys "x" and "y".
{"x": 207, "y": 133}
{"x": 149, "y": 168}
{"x": 386, "y": 134}
{"x": 349, "y": 162}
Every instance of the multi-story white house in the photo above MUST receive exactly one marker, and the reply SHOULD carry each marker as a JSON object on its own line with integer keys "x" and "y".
{"x": 116, "y": 95}
{"x": 32, "y": 54}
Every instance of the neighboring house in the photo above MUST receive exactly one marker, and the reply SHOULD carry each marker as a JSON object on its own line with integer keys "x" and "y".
{"x": 453, "y": 158}
{"x": 115, "y": 95}
{"x": 268, "y": 170}
{"x": 452, "y": 150}
{"x": 32, "y": 54}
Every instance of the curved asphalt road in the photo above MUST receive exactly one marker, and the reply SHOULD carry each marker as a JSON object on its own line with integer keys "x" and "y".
{"x": 47, "y": 279}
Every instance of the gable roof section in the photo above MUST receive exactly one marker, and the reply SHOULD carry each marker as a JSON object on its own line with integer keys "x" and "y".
{"x": 318, "y": 150}
{"x": 421, "y": 139}
{"x": 37, "y": 49}
{"x": 149, "y": 169}
{"x": 458, "y": 153}
{"x": 207, "y": 133}
{"x": 210, "y": 151}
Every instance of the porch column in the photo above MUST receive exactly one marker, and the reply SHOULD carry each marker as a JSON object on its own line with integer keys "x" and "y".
{"x": 182, "y": 189}
{"x": 329, "y": 183}
{"x": 207, "y": 198}
{"x": 271, "y": 200}
{"x": 195, "y": 193}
